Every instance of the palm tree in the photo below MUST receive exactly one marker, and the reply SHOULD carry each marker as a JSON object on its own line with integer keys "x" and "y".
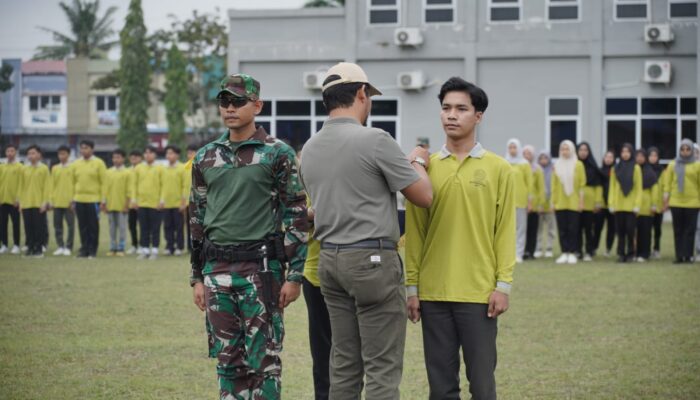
{"x": 90, "y": 33}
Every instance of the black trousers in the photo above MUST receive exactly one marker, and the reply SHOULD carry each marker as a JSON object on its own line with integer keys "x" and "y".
{"x": 684, "y": 225}
{"x": 656, "y": 225}
{"x": 319, "y": 338}
{"x": 149, "y": 222}
{"x": 133, "y": 226}
{"x": 67, "y": 214}
{"x": 89, "y": 228}
{"x": 449, "y": 326}
{"x": 533, "y": 224}
{"x": 626, "y": 223}
{"x": 600, "y": 220}
{"x": 45, "y": 229}
{"x": 644, "y": 225}
{"x": 7, "y": 212}
{"x": 33, "y": 229}
{"x": 568, "y": 226}
{"x": 172, "y": 229}
{"x": 586, "y": 234}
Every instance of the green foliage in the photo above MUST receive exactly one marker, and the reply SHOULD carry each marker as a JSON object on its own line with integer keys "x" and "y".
{"x": 108, "y": 81}
{"x": 5, "y": 74}
{"x": 176, "y": 99}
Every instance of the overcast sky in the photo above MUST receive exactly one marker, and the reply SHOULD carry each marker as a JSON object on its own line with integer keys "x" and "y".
{"x": 19, "y": 19}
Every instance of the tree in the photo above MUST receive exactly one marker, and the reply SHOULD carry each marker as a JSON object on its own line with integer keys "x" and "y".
{"x": 134, "y": 80}
{"x": 324, "y": 3}
{"x": 5, "y": 75}
{"x": 176, "y": 98}
{"x": 90, "y": 33}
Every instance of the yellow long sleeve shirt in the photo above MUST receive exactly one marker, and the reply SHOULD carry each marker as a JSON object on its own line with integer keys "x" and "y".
{"x": 116, "y": 189}
{"x": 463, "y": 247}
{"x": 36, "y": 186}
{"x": 571, "y": 202}
{"x": 690, "y": 198}
{"x": 650, "y": 202}
{"x": 174, "y": 185}
{"x": 148, "y": 185}
{"x": 188, "y": 180}
{"x": 523, "y": 184}
{"x": 89, "y": 176}
{"x": 592, "y": 197}
{"x": 539, "y": 191}
{"x": 617, "y": 201}
{"x": 10, "y": 182}
{"x": 62, "y": 185}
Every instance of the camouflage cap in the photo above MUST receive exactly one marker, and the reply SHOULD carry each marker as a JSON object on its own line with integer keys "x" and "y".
{"x": 240, "y": 85}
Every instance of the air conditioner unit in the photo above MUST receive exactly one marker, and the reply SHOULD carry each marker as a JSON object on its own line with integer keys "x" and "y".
{"x": 313, "y": 79}
{"x": 412, "y": 80}
{"x": 657, "y": 71}
{"x": 658, "y": 33}
{"x": 411, "y": 37}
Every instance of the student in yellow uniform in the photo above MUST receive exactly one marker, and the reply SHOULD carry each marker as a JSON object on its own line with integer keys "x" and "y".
{"x": 523, "y": 194}
{"x": 648, "y": 207}
{"x": 61, "y": 199}
{"x": 625, "y": 201}
{"x": 547, "y": 225}
{"x": 604, "y": 216}
{"x": 135, "y": 158}
{"x": 568, "y": 182}
{"x": 89, "y": 175}
{"x": 175, "y": 191}
{"x": 34, "y": 200}
{"x": 191, "y": 152}
{"x": 116, "y": 202}
{"x": 10, "y": 174}
{"x": 148, "y": 197}
{"x": 460, "y": 253}
{"x": 653, "y": 160}
{"x": 592, "y": 202}
{"x": 681, "y": 188}
{"x": 537, "y": 194}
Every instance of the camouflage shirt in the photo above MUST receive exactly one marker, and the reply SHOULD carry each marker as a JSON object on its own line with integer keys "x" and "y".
{"x": 244, "y": 191}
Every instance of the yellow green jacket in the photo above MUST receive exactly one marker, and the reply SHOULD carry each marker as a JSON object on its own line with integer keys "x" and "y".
{"x": 617, "y": 201}
{"x": 690, "y": 198}
{"x": 175, "y": 189}
{"x": 62, "y": 182}
{"x": 188, "y": 180}
{"x": 116, "y": 189}
{"x": 10, "y": 182}
{"x": 36, "y": 186}
{"x": 148, "y": 185}
{"x": 89, "y": 176}
{"x": 523, "y": 184}
{"x": 560, "y": 200}
{"x": 539, "y": 190}
{"x": 593, "y": 197}
{"x": 650, "y": 204}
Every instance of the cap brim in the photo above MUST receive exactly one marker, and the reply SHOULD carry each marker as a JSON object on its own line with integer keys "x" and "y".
{"x": 373, "y": 91}
{"x": 232, "y": 93}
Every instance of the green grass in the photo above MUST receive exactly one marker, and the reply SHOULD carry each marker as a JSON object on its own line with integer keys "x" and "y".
{"x": 124, "y": 329}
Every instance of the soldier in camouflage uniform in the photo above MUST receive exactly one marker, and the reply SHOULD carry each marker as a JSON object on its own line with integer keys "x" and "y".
{"x": 245, "y": 188}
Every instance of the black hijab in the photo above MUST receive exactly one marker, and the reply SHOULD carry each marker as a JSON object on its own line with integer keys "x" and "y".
{"x": 658, "y": 167}
{"x": 593, "y": 175}
{"x": 649, "y": 176}
{"x": 624, "y": 170}
{"x": 605, "y": 172}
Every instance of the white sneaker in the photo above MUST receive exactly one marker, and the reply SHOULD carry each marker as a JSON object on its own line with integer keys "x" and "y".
{"x": 58, "y": 252}
{"x": 537, "y": 254}
{"x": 518, "y": 260}
{"x": 143, "y": 254}
{"x": 43, "y": 249}
{"x": 3, "y": 249}
{"x": 641, "y": 260}
{"x": 131, "y": 250}
{"x": 572, "y": 259}
{"x": 66, "y": 252}
{"x": 178, "y": 252}
{"x": 15, "y": 250}
{"x": 548, "y": 254}
{"x": 154, "y": 254}
{"x": 24, "y": 248}
{"x": 656, "y": 255}
{"x": 587, "y": 257}
{"x": 563, "y": 259}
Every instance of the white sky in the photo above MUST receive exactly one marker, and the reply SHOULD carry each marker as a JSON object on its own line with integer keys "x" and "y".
{"x": 19, "y": 19}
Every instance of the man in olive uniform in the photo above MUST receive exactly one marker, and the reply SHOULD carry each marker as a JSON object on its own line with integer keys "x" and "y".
{"x": 248, "y": 223}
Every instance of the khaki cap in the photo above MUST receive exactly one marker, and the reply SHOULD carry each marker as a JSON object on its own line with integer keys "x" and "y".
{"x": 348, "y": 73}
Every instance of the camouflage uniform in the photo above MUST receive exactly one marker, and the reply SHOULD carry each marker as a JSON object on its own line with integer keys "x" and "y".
{"x": 242, "y": 192}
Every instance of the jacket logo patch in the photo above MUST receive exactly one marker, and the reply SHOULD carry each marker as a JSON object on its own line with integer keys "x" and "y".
{"x": 478, "y": 178}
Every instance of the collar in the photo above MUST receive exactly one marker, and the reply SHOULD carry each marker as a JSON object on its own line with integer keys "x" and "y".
{"x": 342, "y": 120}
{"x": 477, "y": 152}
{"x": 258, "y": 138}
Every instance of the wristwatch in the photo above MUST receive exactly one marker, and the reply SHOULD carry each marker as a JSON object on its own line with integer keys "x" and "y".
{"x": 419, "y": 160}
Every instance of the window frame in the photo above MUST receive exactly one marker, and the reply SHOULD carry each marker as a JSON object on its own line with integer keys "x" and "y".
{"x": 491, "y": 5}
{"x": 566, "y": 3}
{"x": 371, "y": 8}
{"x": 50, "y": 104}
{"x": 452, "y": 6}
{"x": 549, "y": 118}
{"x": 106, "y": 102}
{"x": 623, "y": 2}
{"x": 671, "y": 2}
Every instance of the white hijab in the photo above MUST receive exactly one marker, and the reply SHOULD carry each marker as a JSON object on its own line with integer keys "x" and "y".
{"x": 518, "y": 159}
{"x": 565, "y": 167}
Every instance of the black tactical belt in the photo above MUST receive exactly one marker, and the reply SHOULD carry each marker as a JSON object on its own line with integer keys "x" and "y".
{"x": 364, "y": 244}
{"x": 236, "y": 253}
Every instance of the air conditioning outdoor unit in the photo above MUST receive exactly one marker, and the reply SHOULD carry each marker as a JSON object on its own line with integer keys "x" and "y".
{"x": 657, "y": 71}
{"x": 409, "y": 37}
{"x": 412, "y": 80}
{"x": 658, "y": 33}
{"x": 313, "y": 79}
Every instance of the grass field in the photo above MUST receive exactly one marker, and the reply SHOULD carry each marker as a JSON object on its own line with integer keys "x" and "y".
{"x": 125, "y": 329}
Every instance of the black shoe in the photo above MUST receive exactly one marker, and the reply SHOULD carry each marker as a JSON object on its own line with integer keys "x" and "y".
{"x": 81, "y": 255}
{"x": 621, "y": 260}
{"x": 678, "y": 261}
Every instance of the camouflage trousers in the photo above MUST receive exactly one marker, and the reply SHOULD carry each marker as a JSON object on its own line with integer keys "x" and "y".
{"x": 246, "y": 338}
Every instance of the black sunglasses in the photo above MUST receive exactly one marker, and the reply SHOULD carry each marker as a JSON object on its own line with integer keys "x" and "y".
{"x": 237, "y": 102}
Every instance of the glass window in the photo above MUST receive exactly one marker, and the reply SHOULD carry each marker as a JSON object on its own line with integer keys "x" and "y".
{"x": 689, "y": 130}
{"x": 33, "y": 103}
{"x": 321, "y": 108}
{"x": 383, "y": 12}
{"x": 100, "y": 101}
{"x": 631, "y": 9}
{"x": 620, "y": 132}
{"x": 689, "y": 105}
{"x": 660, "y": 133}
{"x": 563, "y": 106}
{"x": 562, "y": 10}
{"x": 266, "y": 125}
{"x": 44, "y": 102}
{"x": 659, "y": 106}
{"x": 389, "y": 126}
{"x": 319, "y": 125}
{"x": 383, "y": 2}
{"x": 112, "y": 103}
{"x": 504, "y": 10}
{"x": 385, "y": 107}
{"x": 683, "y": 9}
{"x": 295, "y": 133}
{"x": 560, "y": 131}
{"x": 621, "y": 106}
{"x": 266, "y": 109}
{"x": 294, "y": 108}
{"x": 439, "y": 11}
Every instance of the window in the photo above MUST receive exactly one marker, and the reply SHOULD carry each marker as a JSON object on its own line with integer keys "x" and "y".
{"x": 563, "y": 120}
{"x": 44, "y": 103}
{"x": 439, "y": 11}
{"x": 631, "y": 10}
{"x": 383, "y": 12}
{"x": 504, "y": 10}
{"x": 651, "y": 121}
{"x": 563, "y": 10}
{"x": 682, "y": 9}
{"x": 384, "y": 115}
{"x": 106, "y": 103}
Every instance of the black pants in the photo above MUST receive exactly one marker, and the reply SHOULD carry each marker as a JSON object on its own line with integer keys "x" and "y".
{"x": 33, "y": 229}
{"x": 319, "y": 339}
{"x": 533, "y": 224}
{"x": 133, "y": 226}
{"x": 684, "y": 225}
{"x": 568, "y": 226}
{"x": 149, "y": 222}
{"x": 7, "y": 212}
{"x": 658, "y": 221}
{"x": 626, "y": 223}
{"x": 644, "y": 225}
{"x": 587, "y": 234}
{"x": 601, "y": 218}
{"x": 44, "y": 220}
{"x": 172, "y": 228}
{"x": 67, "y": 214}
{"x": 449, "y": 326}
{"x": 89, "y": 228}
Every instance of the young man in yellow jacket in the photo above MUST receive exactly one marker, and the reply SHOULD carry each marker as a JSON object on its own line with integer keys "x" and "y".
{"x": 148, "y": 197}
{"x": 34, "y": 200}
{"x": 175, "y": 191}
{"x": 89, "y": 176}
{"x": 459, "y": 290}
{"x": 10, "y": 174}
{"x": 61, "y": 199}
{"x": 115, "y": 202}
